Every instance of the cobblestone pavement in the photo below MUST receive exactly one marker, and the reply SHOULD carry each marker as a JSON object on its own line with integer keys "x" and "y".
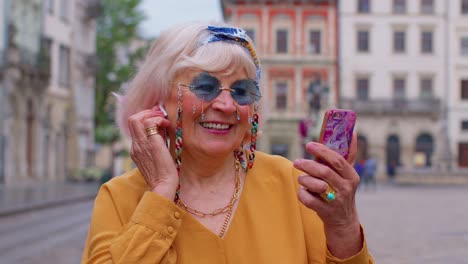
{"x": 48, "y": 235}
{"x": 21, "y": 198}
{"x": 416, "y": 224}
{"x": 404, "y": 225}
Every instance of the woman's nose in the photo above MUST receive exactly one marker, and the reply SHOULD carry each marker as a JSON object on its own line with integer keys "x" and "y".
{"x": 224, "y": 102}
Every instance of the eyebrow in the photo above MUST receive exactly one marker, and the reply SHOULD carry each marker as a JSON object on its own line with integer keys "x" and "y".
{"x": 212, "y": 76}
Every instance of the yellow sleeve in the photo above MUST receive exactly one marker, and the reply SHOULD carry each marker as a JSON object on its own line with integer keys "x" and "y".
{"x": 146, "y": 238}
{"x": 363, "y": 257}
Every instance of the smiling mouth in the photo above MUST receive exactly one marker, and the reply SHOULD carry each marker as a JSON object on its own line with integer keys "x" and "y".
{"x": 216, "y": 126}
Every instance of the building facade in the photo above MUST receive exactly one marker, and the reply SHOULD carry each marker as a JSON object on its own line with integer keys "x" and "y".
{"x": 296, "y": 44}
{"x": 457, "y": 109}
{"x": 48, "y": 89}
{"x": 402, "y": 71}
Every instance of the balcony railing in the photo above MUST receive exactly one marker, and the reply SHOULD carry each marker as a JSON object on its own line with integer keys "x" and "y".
{"x": 393, "y": 106}
{"x": 30, "y": 61}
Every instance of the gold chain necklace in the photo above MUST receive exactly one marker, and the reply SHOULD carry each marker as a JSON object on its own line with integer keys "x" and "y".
{"x": 226, "y": 209}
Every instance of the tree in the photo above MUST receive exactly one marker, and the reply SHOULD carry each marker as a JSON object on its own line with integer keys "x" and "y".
{"x": 117, "y": 27}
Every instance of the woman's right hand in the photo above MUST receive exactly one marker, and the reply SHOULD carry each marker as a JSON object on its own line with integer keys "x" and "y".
{"x": 150, "y": 154}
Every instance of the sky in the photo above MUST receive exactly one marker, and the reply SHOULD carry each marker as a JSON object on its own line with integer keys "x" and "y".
{"x": 162, "y": 14}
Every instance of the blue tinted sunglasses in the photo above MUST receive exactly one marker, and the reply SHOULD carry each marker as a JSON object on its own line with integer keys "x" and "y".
{"x": 207, "y": 88}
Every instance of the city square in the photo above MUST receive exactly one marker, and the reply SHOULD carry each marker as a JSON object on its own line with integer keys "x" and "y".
{"x": 405, "y": 224}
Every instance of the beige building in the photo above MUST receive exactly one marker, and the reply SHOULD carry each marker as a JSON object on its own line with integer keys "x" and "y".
{"x": 47, "y": 91}
{"x": 403, "y": 66}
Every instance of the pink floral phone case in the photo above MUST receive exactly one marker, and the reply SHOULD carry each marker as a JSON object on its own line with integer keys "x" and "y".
{"x": 337, "y": 130}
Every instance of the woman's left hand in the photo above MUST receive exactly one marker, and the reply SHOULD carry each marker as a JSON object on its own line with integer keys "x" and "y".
{"x": 340, "y": 217}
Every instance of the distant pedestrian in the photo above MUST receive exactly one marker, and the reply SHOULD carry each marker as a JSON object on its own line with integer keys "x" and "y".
{"x": 370, "y": 170}
{"x": 359, "y": 167}
{"x": 391, "y": 170}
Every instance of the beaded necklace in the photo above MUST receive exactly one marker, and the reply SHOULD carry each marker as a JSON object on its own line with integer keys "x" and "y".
{"x": 226, "y": 209}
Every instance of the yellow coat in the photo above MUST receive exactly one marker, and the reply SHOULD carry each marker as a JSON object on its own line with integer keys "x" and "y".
{"x": 132, "y": 225}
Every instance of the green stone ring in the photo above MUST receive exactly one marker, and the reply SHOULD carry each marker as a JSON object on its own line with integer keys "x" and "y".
{"x": 329, "y": 195}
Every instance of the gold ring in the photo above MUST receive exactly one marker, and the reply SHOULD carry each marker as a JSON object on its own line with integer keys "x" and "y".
{"x": 151, "y": 131}
{"x": 329, "y": 195}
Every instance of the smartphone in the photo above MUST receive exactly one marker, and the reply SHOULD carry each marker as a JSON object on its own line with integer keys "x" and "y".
{"x": 337, "y": 130}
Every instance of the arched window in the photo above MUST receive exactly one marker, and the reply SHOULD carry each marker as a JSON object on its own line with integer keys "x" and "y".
{"x": 425, "y": 145}
{"x": 393, "y": 153}
{"x": 282, "y": 34}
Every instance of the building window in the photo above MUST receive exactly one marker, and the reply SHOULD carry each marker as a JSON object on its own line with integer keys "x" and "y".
{"x": 281, "y": 41}
{"x": 50, "y": 6}
{"x": 425, "y": 148}
{"x": 64, "y": 62}
{"x": 363, "y": 6}
{"x": 281, "y": 95}
{"x": 45, "y": 53}
{"x": 426, "y": 42}
{"x": 362, "y": 87}
{"x": 464, "y": 89}
{"x": 464, "y": 7}
{"x": 46, "y": 46}
{"x": 399, "y": 41}
{"x": 464, "y": 46}
{"x": 251, "y": 33}
{"x": 463, "y": 154}
{"x": 464, "y": 125}
{"x": 399, "y": 6}
{"x": 399, "y": 88}
{"x": 426, "y": 86}
{"x": 363, "y": 41}
{"x": 64, "y": 10}
{"x": 315, "y": 41}
{"x": 315, "y": 91}
{"x": 427, "y": 7}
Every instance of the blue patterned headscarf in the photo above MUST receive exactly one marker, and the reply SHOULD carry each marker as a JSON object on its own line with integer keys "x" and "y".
{"x": 237, "y": 36}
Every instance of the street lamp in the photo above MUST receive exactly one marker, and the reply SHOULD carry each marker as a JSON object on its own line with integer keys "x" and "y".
{"x": 308, "y": 127}
{"x": 314, "y": 96}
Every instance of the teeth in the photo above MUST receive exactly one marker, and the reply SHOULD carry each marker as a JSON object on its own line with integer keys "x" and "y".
{"x": 215, "y": 126}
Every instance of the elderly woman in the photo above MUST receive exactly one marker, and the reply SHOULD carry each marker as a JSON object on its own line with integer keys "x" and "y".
{"x": 201, "y": 192}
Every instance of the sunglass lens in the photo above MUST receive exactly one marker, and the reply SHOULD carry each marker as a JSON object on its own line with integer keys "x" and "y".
{"x": 206, "y": 92}
{"x": 244, "y": 92}
{"x": 205, "y": 87}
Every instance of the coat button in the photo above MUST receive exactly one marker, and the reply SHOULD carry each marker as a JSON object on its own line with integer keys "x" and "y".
{"x": 176, "y": 215}
{"x": 170, "y": 229}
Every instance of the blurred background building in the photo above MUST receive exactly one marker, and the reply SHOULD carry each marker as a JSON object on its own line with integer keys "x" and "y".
{"x": 47, "y": 88}
{"x": 403, "y": 70}
{"x": 400, "y": 64}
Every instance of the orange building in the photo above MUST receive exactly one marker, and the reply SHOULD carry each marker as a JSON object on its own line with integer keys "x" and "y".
{"x": 297, "y": 43}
